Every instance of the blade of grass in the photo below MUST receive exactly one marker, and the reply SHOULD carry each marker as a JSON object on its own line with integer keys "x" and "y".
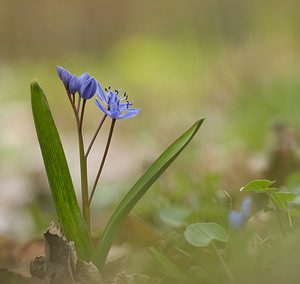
{"x": 169, "y": 268}
{"x": 68, "y": 211}
{"x": 139, "y": 189}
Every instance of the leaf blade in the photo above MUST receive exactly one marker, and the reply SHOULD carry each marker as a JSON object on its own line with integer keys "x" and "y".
{"x": 139, "y": 189}
{"x": 259, "y": 186}
{"x": 59, "y": 177}
{"x": 169, "y": 268}
{"x": 202, "y": 234}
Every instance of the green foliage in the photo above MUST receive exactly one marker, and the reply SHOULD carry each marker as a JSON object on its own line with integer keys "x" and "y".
{"x": 202, "y": 234}
{"x": 259, "y": 186}
{"x": 278, "y": 199}
{"x": 139, "y": 189}
{"x": 281, "y": 198}
{"x": 59, "y": 177}
{"x": 169, "y": 268}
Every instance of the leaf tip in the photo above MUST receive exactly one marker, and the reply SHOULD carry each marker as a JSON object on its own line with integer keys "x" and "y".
{"x": 34, "y": 81}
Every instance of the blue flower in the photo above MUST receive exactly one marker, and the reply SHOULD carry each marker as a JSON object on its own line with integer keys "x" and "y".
{"x": 237, "y": 219}
{"x": 64, "y": 75}
{"x": 76, "y": 82}
{"x": 114, "y": 107}
{"x": 88, "y": 88}
{"x": 246, "y": 207}
{"x": 85, "y": 86}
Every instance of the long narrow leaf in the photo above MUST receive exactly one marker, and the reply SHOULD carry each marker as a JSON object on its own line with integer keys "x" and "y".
{"x": 139, "y": 189}
{"x": 68, "y": 211}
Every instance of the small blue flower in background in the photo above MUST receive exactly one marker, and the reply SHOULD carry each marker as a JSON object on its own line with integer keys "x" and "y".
{"x": 237, "y": 219}
{"x": 114, "y": 106}
{"x": 88, "y": 88}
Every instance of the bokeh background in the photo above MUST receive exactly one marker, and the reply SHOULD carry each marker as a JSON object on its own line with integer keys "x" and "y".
{"x": 235, "y": 62}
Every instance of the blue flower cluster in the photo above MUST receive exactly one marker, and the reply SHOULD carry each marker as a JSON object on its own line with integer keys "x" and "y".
{"x": 237, "y": 219}
{"x": 84, "y": 85}
{"x": 87, "y": 87}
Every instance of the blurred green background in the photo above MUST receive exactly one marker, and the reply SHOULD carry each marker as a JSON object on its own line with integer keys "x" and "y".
{"x": 235, "y": 62}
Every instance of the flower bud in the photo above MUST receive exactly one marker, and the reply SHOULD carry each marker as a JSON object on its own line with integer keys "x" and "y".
{"x": 246, "y": 207}
{"x": 88, "y": 88}
{"x": 235, "y": 220}
{"x": 64, "y": 75}
{"x": 84, "y": 77}
{"x": 74, "y": 84}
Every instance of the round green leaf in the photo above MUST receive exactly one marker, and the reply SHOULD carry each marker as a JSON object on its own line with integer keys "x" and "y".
{"x": 201, "y": 234}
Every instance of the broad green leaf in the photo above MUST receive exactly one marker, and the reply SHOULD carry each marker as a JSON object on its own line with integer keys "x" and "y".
{"x": 259, "y": 186}
{"x": 281, "y": 198}
{"x": 68, "y": 211}
{"x": 139, "y": 189}
{"x": 169, "y": 268}
{"x": 201, "y": 234}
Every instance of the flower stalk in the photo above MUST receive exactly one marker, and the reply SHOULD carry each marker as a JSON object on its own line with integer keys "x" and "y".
{"x": 221, "y": 259}
{"x": 95, "y": 135}
{"x": 103, "y": 159}
{"x": 82, "y": 158}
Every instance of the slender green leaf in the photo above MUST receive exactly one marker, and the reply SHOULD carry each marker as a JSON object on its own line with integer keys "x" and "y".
{"x": 259, "y": 186}
{"x": 202, "y": 234}
{"x": 169, "y": 268}
{"x": 139, "y": 189}
{"x": 59, "y": 177}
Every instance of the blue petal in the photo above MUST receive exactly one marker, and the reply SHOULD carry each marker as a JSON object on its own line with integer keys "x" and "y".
{"x": 235, "y": 220}
{"x": 88, "y": 88}
{"x": 74, "y": 84}
{"x": 84, "y": 77}
{"x": 101, "y": 95}
{"x": 59, "y": 70}
{"x": 64, "y": 75}
{"x": 246, "y": 207}
{"x": 128, "y": 114}
{"x": 102, "y": 107}
{"x": 115, "y": 114}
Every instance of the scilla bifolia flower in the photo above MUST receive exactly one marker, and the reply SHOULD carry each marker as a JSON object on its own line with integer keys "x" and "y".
{"x": 114, "y": 106}
{"x": 88, "y": 88}
{"x": 76, "y": 82}
{"x": 64, "y": 75}
{"x": 237, "y": 219}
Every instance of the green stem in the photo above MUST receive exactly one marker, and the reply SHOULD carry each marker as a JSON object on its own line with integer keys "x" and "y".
{"x": 84, "y": 182}
{"x": 83, "y": 171}
{"x": 83, "y": 160}
{"x": 289, "y": 218}
{"x": 228, "y": 272}
{"x": 279, "y": 213}
{"x": 103, "y": 159}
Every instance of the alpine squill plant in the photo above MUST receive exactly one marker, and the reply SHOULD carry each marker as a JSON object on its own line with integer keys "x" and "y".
{"x": 75, "y": 222}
